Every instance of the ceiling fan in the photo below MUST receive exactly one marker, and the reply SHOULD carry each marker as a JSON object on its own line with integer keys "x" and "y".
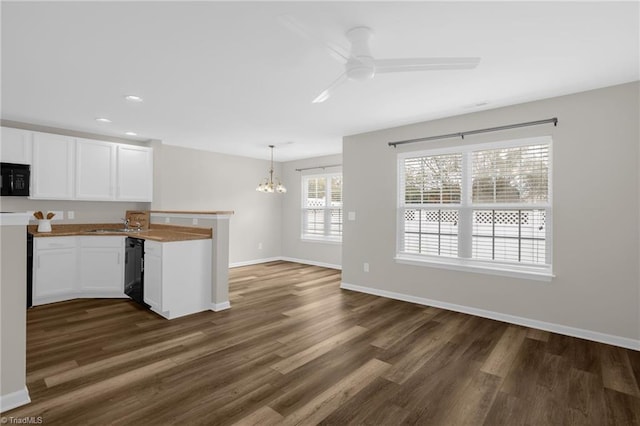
{"x": 360, "y": 65}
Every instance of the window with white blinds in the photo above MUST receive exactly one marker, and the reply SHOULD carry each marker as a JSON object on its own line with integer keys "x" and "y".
{"x": 322, "y": 207}
{"x": 483, "y": 206}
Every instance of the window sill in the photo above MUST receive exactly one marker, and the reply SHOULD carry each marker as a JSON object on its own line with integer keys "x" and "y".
{"x": 333, "y": 241}
{"x": 529, "y": 273}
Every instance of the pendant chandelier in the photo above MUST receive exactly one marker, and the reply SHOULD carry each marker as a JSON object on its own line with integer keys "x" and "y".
{"x": 268, "y": 185}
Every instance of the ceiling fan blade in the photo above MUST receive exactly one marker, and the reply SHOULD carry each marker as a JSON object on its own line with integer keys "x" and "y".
{"x": 299, "y": 28}
{"x": 327, "y": 92}
{"x": 424, "y": 64}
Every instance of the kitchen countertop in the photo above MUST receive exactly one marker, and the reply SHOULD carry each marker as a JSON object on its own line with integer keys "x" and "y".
{"x": 156, "y": 232}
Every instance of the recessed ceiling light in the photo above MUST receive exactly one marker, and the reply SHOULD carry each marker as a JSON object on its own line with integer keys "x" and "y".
{"x": 133, "y": 98}
{"x": 131, "y": 134}
{"x": 103, "y": 120}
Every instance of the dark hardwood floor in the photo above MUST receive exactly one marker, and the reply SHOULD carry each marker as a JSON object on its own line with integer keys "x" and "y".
{"x": 295, "y": 349}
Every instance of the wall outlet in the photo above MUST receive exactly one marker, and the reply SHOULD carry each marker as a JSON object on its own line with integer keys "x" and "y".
{"x": 365, "y": 267}
{"x": 259, "y": 246}
{"x": 351, "y": 215}
{"x": 194, "y": 221}
{"x": 167, "y": 220}
{"x": 71, "y": 214}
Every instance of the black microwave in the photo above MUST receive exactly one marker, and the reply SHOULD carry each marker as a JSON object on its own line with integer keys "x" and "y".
{"x": 15, "y": 179}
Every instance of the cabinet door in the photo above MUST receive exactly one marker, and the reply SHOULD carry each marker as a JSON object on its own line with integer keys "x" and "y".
{"x": 102, "y": 265}
{"x": 95, "y": 170}
{"x": 53, "y": 167}
{"x": 153, "y": 282}
{"x": 15, "y": 146}
{"x": 54, "y": 272}
{"x": 135, "y": 173}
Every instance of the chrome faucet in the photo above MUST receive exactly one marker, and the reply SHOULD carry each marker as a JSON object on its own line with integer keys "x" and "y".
{"x": 125, "y": 223}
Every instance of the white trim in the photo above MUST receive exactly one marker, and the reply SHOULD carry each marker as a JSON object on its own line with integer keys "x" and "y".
{"x": 596, "y": 336}
{"x": 253, "y": 262}
{"x": 14, "y": 399}
{"x": 311, "y": 262}
{"x": 285, "y": 259}
{"x": 469, "y": 265}
{"x": 216, "y": 307}
{"x": 336, "y": 241}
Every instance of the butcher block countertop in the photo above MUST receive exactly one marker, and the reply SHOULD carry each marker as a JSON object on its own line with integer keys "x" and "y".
{"x": 156, "y": 232}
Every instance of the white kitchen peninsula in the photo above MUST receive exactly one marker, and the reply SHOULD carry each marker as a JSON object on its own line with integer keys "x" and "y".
{"x": 218, "y": 221}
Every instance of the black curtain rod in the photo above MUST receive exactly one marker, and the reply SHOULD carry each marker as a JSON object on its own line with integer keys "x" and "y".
{"x": 319, "y": 167}
{"x": 553, "y": 120}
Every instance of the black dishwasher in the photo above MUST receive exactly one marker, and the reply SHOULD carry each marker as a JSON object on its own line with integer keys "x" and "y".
{"x": 134, "y": 270}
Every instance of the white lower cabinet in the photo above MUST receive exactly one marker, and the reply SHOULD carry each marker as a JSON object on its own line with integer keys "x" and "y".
{"x": 102, "y": 265}
{"x": 66, "y": 268}
{"x": 177, "y": 277}
{"x": 54, "y": 269}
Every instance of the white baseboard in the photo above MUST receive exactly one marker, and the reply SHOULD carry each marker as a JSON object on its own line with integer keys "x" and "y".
{"x": 14, "y": 399}
{"x": 311, "y": 262}
{"x": 286, "y": 259}
{"x": 220, "y": 306}
{"x": 610, "y": 339}
{"x": 253, "y": 262}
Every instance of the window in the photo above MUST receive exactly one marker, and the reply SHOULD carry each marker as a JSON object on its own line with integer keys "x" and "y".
{"x": 484, "y": 207}
{"x": 322, "y": 207}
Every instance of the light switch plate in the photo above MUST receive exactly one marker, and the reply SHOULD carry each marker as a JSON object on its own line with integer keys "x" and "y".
{"x": 352, "y": 215}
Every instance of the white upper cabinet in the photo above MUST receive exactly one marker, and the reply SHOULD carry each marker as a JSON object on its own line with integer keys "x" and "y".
{"x": 68, "y": 168}
{"x": 53, "y": 167}
{"x": 135, "y": 173}
{"x": 15, "y": 146}
{"x": 95, "y": 170}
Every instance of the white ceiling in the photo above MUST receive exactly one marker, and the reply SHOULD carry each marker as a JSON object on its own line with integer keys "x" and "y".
{"x": 228, "y": 77}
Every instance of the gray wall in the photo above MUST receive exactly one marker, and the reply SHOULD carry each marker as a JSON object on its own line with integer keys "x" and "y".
{"x": 596, "y": 216}
{"x": 189, "y": 179}
{"x": 84, "y": 211}
{"x": 322, "y": 253}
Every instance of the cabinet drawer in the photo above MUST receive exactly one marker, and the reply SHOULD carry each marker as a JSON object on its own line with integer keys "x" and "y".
{"x": 44, "y": 243}
{"x": 102, "y": 242}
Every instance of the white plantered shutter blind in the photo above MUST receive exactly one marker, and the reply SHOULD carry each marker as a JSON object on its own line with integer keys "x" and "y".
{"x": 511, "y": 175}
{"x": 433, "y": 180}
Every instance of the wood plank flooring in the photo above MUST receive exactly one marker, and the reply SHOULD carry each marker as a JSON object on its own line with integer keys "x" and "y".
{"x": 296, "y": 349}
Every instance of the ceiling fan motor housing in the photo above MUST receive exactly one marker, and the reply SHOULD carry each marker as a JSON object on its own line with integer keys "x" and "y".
{"x": 361, "y": 66}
